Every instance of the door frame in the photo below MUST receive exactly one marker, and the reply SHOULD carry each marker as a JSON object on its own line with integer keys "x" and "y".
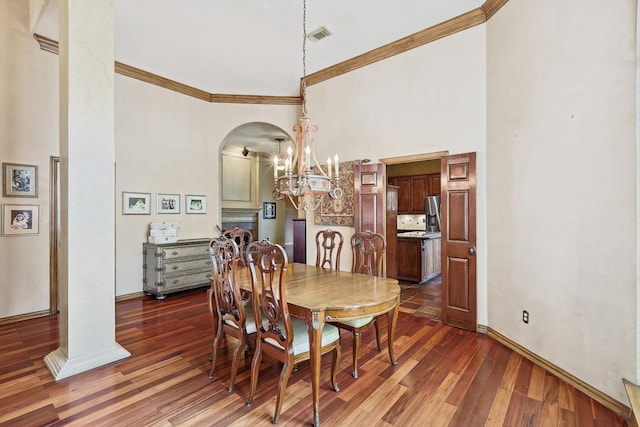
{"x": 54, "y": 231}
{"x": 416, "y": 158}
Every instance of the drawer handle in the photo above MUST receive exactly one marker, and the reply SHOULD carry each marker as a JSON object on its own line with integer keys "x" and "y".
{"x": 209, "y": 276}
{"x": 176, "y": 281}
{"x": 175, "y": 267}
{"x": 175, "y": 253}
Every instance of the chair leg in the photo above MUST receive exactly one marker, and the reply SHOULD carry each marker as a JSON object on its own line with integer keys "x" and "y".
{"x": 282, "y": 386}
{"x": 356, "y": 351}
{"x": 255, "y": 370}
{"x": 378, "y": 333}
{"x": 242, "y": 342}
{"x": 214, "y": 352}
{"x": 335, "y": 365}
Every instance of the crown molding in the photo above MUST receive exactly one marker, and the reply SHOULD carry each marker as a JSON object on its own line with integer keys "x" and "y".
{"x": 477, "y": 16}
{"x": 52, "y": 46}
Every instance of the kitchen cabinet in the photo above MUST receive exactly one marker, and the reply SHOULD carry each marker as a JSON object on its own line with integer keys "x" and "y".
{"x": 433, "y": 188}
{"x": 419, "y": 259}
{"x": 412, "y": 191}
{"x": 409, "y": 259}
{"x": 431, "y": 258}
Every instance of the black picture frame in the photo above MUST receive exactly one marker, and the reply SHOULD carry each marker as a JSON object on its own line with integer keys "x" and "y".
{"x": 268, "y": 210}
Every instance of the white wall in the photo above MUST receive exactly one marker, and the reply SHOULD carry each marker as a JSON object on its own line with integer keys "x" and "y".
{"x": 170, "y": 143}
{"x": 28, "y": 135}
{"x": 165, "y": 143}
{"x": 429, "y": 99}
{"x": 561, "y": 168}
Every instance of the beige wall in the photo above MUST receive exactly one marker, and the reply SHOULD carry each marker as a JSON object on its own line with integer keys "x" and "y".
{"x": 29, "y": 135}
{"x": 165, "y": 143}
{"x": 427, "y": 100}
{"x": 168, "y": 142}
{"x": 561, "y": 196}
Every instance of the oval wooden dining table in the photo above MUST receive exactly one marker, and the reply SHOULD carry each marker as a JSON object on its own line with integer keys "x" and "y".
{"x": 317, "y": 295}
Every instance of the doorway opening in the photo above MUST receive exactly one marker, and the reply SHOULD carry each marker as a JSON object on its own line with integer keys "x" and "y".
{"x": 418, "y": 297}
{"x": 246, "y": 183}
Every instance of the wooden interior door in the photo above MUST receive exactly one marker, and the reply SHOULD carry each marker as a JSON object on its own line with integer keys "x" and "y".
{"x": 458, "y": 225}
{"x": 368, "y": 197}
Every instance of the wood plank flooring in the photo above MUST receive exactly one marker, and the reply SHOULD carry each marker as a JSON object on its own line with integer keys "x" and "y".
{"x": 444, "y": 377}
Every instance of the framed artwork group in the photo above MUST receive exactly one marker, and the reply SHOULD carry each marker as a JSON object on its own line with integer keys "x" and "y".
{"x": 140, "y": 203}
{"x": 20, "y": 180}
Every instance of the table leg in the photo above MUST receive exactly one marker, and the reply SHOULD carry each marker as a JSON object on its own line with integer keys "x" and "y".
{"x": 315, "y": 323}
{"x": 393, "y": 318}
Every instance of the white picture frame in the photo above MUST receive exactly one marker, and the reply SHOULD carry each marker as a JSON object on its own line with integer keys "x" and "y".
{"x": 167, "y": 203}
{"x": 136, "y": 203}
{"x": 195, "y": 204}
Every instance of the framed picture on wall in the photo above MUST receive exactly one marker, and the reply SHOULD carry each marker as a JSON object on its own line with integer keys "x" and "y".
{"x": 136, "y": 203}
{"x": 20, "y": 220}
{"x": 168, "y": 203}
{"x": 195, "y": 204}
{"x": 19, "y": 180}
{"x": 268, "y": 210}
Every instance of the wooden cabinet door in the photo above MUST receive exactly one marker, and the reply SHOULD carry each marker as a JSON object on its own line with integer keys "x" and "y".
{"x": 404, "y": 195}
{"x": 409, "y": 259}
{"x": 437, "y": 255}
{"x": 418, "y": 194}
{"x": 434, "y": 185}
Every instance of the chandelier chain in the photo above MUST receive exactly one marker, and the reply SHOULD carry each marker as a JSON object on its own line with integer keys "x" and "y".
{"x": 304, "y": 58}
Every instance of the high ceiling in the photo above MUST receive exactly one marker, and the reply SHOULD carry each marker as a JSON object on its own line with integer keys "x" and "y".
{"x": 254, "y": 47}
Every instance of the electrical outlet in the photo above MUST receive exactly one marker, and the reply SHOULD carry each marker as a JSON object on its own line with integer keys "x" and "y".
{"x": 525, "y": 316}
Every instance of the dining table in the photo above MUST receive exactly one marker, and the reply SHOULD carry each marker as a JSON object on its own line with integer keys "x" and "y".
{"x": 317, "y": 295}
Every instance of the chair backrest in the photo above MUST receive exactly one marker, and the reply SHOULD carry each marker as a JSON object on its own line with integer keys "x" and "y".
{"x": 268, "y": 269}
{"x": 368, "y": 252}
{"x": 242, "y": 237}
{"x": 326, "y": 242}
{"x": 224, "y": 260}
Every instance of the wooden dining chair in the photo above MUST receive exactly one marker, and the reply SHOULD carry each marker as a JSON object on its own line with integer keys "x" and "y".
{"x": 368, "y": 253}
{"x": 280, "y": 336}
{"x": 226, "y": 306}
{"x": 242, "y": 237}
{"x": 326, "y": 242}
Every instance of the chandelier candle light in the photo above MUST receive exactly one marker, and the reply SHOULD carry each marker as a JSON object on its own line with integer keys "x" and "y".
{"x": 299, "y": 178}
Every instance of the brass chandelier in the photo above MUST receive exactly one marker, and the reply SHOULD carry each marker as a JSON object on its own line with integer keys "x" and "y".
{"x": 303, "y": 176}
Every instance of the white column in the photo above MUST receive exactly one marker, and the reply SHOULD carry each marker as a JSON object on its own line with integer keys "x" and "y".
{"x": 87, "y": 155}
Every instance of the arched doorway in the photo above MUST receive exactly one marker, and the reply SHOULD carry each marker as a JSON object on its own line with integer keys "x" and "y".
{"x": 246, "y": 182}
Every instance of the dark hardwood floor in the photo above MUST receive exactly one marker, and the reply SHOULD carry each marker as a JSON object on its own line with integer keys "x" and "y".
{"x": 444, "y": 377}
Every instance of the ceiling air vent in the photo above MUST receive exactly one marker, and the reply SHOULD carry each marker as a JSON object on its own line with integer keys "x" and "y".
{"x": 318, "y": 34}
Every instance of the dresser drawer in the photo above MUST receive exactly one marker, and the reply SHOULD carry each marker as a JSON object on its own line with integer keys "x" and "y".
{"x": 182, "y": 282}
{"x": 184, "y": 266}
{"x": 173, "y": 252}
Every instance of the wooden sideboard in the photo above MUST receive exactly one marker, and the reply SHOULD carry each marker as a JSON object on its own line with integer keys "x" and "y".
{"x": 176, "y": 266}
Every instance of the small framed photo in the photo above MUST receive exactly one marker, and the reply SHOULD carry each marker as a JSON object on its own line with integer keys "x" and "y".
{"x": 20, "y": 180}
{"x": 195, "y": 204}
{"x": 20, "y": 220}
{"x": 168, "y": 203}
{"x": 268, "y": 210}
{"x": 136, "y": 203}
